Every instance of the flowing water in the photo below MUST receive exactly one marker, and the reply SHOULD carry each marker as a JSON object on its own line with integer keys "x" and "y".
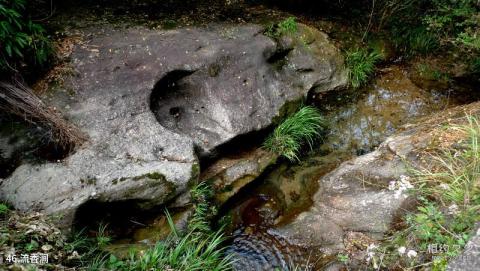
{"x": 359, "y": 123}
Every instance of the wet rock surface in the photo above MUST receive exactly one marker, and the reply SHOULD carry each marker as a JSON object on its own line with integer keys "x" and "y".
{"x": 354, "y": 198}
{"x": 364, "y": 196}
{"x": 230, "y": 174}
{"x": 378, "y": 111}
{"x": 320, "y": 203}
{"x": 205, "y": 87}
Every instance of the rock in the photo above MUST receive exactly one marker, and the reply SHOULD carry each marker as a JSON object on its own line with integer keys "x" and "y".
{"x": 241, "y": 81}
{"x": 229, "y": 174}
{"x": 17, "y": 143}
{"x": 160, "y": 228}
{"x": 147, "y": 99}
{"x": 355, "y": 197}
{"x": 469, "y": 259}
{"x": 360, "y": 196}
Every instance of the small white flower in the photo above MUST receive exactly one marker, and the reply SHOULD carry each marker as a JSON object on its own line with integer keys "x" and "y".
{"x": 402, "y": 250}
{"x": 392, "y": 185}
{"x": 411, "y": 254}
{"x": 371, "y": 251}
{"x": 444, "y": 186}
{"x": 405, "y": 183}
{"x": 401, "y": 186}
{"x": 371, "y": 247}
{"x": 404, "y": 178}
{"x": 453, "y": 209}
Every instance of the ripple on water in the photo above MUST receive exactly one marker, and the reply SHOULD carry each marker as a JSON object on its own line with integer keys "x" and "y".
{"x": 265, "y": 250}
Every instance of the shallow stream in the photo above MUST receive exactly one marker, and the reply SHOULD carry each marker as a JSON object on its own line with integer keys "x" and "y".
{"x": 359, "y": 122}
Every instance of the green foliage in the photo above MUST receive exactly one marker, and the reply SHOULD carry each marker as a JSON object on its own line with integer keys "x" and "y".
{"x": 21, "y": 40}
{"x": 190, "y": 252}
{"x": 449, "y": 18}
{"x": 475, "y": 65}
{"x": 414, "y": 40}
{"x": 425, "y": 25}
{"x": 449, "y": 204}
{"x": 303, "y": 127}
{"x": 102, "y": 238}
{"x": 287, "y": 26}
{"x": 470, "y": 40}
{"x": 170, "y": 24}
{"x": 343, "y": 258}
{"x": 361, "y": 65}
{"x": 3, "y": 209}
{"x": 431, "y": 226}
{"x": 432, "y": 74}
{"x": 200, "y": 248}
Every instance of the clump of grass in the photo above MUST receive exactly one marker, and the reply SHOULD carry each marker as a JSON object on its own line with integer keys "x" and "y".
{"x": 303, "y": 127}
{"x": 3, "y": 209}
{"x": 200, "y": 248}
{"x": 287, "y": 26}
{"x": 361, "y": 65}
{"x": 448, "y": 194}
{"x": 189, "y": 252}
{"x": 102, "y": 237}
{"x": 414, "y": 40}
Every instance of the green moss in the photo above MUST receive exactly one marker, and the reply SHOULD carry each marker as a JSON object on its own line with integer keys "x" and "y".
{"x": 119, "y": 180}
{"x": 150, "y": 175}
{"x": 155, "y": 176}
{"x": 287, "y": 26}
{"x": 195, "y": 170}
{"x": 170, "y": 24}
{"x": 89, "y": 180}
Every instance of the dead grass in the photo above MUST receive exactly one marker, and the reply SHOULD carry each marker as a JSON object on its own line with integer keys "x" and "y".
{"x": 57, "y": 74}
{"x": 20, "y": 101}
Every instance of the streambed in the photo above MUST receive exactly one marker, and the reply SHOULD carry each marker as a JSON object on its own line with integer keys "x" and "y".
{"x": 359, "y": 122}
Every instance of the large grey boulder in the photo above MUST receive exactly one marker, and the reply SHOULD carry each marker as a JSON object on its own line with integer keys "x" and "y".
{"x": 238, "y": 80}
{"x": 148, "y": 99}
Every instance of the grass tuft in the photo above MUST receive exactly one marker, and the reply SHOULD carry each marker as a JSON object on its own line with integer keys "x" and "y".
{"x": 303, "y": 127}
{"x": 414, "y": 40}
{"x": 3, "y": 209}
{"x": 199, "y": 248}
{"x": 287, "y": 26}
{"x": 361, "y": 65}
